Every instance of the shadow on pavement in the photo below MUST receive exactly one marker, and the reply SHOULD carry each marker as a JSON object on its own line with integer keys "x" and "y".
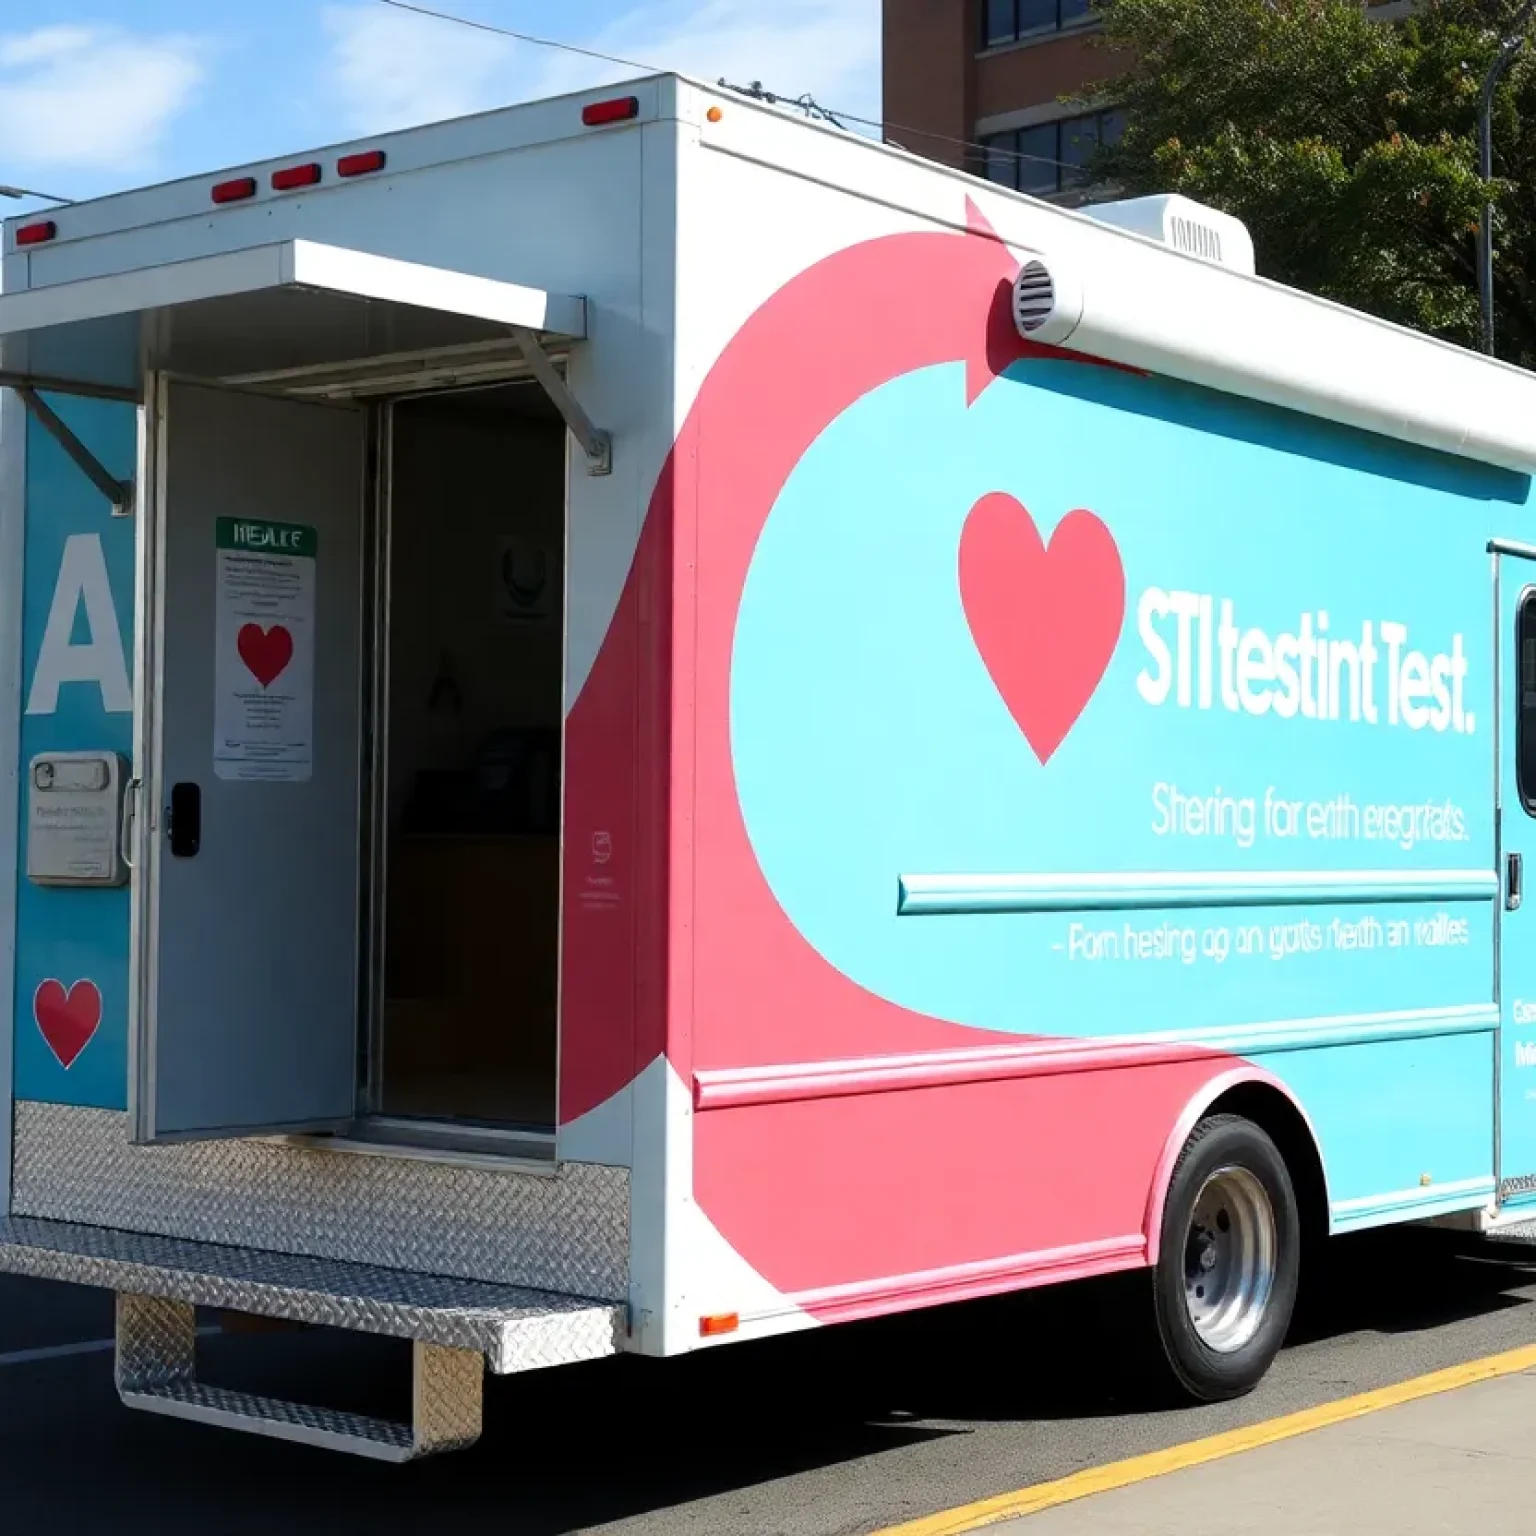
{"x": 578, "y": 1448}
{"x": 1405, "y": 1280}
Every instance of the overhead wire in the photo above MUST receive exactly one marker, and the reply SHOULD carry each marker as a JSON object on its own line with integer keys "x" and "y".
{"x": 521, "y": 37}
{"x": 806, "y": 103}
{"x": 809, "y": 103}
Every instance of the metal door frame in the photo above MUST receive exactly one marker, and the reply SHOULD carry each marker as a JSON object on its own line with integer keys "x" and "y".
{"x": 373, "y": 766}
{"x": 368, "y": 1128}
{"x": 373, "y": 1128}
{"x": 13, "y": 535}
{"x": 1501, "y": 550}
{"x": 142, "y": 840}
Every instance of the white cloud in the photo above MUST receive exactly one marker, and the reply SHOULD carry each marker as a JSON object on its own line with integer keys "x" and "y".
{"x": 396, "y": 68}
{"x": 43, "y": 44}
{"x": 91, "y": 98}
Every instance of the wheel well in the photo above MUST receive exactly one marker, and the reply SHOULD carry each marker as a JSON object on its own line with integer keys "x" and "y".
{"x": 1279, "y": 1118}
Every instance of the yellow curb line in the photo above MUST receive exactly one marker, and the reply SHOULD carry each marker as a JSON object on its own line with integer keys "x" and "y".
{"x": 1119, "y": 1474}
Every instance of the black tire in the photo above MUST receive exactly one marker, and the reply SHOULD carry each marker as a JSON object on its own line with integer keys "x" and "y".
{"x": 1202, "y": 1372}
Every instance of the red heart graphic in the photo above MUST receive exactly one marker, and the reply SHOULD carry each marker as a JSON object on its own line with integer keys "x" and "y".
{"x": 67, "y": 1020}
{"x": 1046, "y": 618}
{"x": 266, "y": 652}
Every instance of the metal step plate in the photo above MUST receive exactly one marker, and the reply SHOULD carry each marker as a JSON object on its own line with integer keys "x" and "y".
{"x": 157, "y": 1373}
{"x": 515, "y": 1328}
{"x": 1515, "y": 1232}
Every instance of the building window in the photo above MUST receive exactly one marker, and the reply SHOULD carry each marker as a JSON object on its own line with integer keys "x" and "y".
{"x": 1049, "y": 157}
{"x": 1006, "y": 21}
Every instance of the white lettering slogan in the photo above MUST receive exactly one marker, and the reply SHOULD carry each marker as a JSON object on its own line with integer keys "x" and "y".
{"x": 1201, "y": 658}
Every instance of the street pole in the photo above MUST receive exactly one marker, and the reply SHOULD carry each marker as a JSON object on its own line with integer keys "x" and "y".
{"x": 42, "y": 197}
{"x": 1513, "y": 42}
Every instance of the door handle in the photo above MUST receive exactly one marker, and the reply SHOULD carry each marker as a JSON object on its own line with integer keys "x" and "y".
{"x": 184, "y": 820}
{"x": 130, "y": 822}
{"x": 1513, "y": 870}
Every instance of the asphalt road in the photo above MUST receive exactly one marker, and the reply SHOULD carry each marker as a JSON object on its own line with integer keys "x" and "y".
{"x": 843, "y": 1431}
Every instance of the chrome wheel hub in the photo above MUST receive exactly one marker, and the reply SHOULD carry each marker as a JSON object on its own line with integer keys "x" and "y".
{"x": 1229, "y": 1259}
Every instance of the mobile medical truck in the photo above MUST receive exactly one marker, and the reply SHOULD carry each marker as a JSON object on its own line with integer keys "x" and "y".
{"x": 632, "y": 723}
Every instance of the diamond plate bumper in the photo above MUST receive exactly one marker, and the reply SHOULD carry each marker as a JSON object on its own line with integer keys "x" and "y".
{"x": 564, "y": 1230}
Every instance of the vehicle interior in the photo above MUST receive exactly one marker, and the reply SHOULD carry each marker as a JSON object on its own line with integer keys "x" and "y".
{"x": 468, "y": 626}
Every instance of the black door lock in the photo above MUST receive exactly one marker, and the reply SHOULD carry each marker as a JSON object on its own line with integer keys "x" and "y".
{"x": 1514, "y": 865}
{"x": 184, "y": 820}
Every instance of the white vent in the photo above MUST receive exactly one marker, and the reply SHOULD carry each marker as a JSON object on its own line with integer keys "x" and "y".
{"x": 1046, "y": 303}
{"x": 1185, "y": 226}
{"x": 1034, "y": 297}
{"x": 1195, "y": 238}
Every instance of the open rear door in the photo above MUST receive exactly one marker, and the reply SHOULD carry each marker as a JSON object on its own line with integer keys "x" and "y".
{"x": 248, "y": 997}
{"x": 249, "y": 699}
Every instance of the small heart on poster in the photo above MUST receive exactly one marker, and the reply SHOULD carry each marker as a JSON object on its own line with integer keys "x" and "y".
{"x": 266, "y": 652}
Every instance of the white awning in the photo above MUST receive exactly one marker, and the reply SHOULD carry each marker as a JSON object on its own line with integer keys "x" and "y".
{"x": 285, "y": 313}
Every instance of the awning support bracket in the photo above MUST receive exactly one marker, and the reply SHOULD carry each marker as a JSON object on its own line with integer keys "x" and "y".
{"x": 592, "y": 440}
{"x": 118, "y": 492}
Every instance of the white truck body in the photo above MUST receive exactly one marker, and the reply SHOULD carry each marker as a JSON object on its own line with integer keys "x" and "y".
{"x": 181, "y": 1154}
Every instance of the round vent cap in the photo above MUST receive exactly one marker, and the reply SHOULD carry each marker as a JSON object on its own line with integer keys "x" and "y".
{"x": 1034, "y": 297}
{"x": 1046, "y": 306}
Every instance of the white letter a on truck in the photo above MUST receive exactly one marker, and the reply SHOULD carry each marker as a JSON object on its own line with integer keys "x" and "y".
{"x": 82, "y": 578}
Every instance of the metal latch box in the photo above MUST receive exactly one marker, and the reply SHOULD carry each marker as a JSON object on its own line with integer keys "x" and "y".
{"x": 75, "y": 819}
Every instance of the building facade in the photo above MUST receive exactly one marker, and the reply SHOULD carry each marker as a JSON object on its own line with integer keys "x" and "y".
{"x": 978, "y": 84}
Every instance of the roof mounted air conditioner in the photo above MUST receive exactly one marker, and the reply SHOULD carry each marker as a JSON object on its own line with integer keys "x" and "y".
{"x": 1182, "y": 225}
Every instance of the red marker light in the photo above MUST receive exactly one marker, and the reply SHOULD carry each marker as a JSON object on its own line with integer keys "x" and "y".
{"x": 36, "y": 234}
{"x": 233, "y": 191}
{"x": 293, "y": 176}
{"x": 596, "y": 113}
{"x": 361, "y": 163}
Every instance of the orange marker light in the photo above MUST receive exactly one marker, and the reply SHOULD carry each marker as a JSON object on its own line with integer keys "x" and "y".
{"x": 716, "y": 1323}
{"x": 714, "y": 114}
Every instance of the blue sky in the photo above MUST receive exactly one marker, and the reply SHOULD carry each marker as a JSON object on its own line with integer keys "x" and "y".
{"x": 105, "y": 94}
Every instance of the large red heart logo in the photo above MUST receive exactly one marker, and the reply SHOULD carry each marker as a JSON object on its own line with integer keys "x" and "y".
{"x": 266, "y": 652}
{"x": 67, "y": 1019}
{"x": 1045, "y": 617}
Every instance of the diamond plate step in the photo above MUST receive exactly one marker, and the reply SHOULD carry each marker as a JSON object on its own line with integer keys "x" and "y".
{"x": 157, "y": 1373}
{"x": 457, "y": 1327}
{"x": 515, "y": 1328}
{"x": 1515, "y": 1232}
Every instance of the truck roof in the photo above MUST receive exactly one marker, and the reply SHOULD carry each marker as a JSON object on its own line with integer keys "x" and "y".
{"x": 1148, "y": 304}
{"x": 521, "y": 125}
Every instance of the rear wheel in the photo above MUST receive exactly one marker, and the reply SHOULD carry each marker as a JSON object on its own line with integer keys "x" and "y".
{"x": 1224, "y": 1286}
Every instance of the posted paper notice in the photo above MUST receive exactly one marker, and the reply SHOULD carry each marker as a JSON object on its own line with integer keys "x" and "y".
{"x": 264, "y": 657}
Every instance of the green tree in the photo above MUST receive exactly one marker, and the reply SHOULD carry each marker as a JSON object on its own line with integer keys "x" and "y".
{"x": 1347, "y": 144}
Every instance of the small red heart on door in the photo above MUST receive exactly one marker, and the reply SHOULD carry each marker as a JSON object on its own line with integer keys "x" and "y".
{"x": 67, "y": 1019}
{"x": 266, "y": 652}
{"x": 1045, "y": 617}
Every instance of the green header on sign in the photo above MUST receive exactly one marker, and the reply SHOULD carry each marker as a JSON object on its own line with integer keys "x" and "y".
{"x": 259, "y": 538}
